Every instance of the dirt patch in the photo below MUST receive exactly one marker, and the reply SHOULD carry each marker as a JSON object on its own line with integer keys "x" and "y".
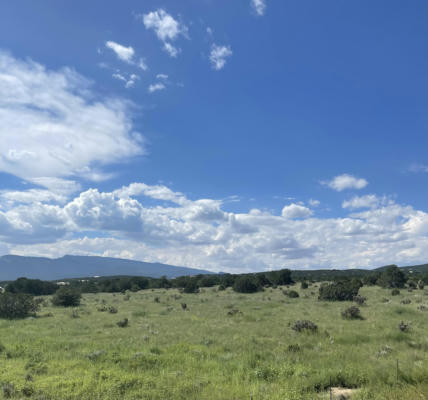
{"x": 342, "y": 393}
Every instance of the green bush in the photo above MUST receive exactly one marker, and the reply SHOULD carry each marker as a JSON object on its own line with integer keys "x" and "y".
{"x": 304, "y": 285}
{"x": 66, "y": 297}
{"x": 352, "y": 312}
{"x": 17, "y": 305}
{"x": 395, "y": 292}
{"x": 392, "y": 277}
{"x": 304, "y": 325}
{"x": 246, "y": 284}
{"x": 339, "y": 291}
{"x": 291, "y": 293}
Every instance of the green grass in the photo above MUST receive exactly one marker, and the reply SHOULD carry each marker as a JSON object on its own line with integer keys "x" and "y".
{"x": 204, "y": 353}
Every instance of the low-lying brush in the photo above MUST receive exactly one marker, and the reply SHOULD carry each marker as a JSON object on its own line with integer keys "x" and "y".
{"x": 352, "y": 312}
{"x": 304, "y": 326}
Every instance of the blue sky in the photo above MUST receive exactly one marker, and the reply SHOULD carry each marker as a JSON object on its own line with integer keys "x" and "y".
{"x": 240, "y": 136}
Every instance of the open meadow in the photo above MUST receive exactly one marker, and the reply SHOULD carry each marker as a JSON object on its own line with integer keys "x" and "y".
{"x": 223, "y": 345}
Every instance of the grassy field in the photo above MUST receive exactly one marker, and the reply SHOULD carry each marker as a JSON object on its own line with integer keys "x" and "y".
{"x": 205, "y": 353}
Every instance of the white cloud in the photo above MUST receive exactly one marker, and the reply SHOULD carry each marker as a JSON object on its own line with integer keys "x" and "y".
{"x": 125, "y": 54}
{"x": 314, "y": 203}
{"x": 167, "y": 29}
{"x": 346, "y": 181}
{"x": 155, "y": 87}
{"x": 171, "y": 50}
{"x": 129, "y": 82}
{"x": 162, "y": 76}
{"x": 199, "y": 233}
{"x": 259, "y": 6}
{"x": 122, "y": 52}
{"x": 218, "y": 56}
{"x": 54, "y": 126}
{"x": 368, "y": 201}
{"x": 296, "y": 211}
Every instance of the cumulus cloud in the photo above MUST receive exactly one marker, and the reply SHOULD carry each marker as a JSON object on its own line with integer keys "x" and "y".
{"x": 156, "y": 87}
{"x": 296, "y": 211}
{"x": 54, "y": 126}
{"x": 174, "y": 229}
{"x": 162, "y": 76}
{"x": 258, "y": 6}
{"x": 167, "y": 29}
{"x": 314, "y": 203}
{"x": 218, "y": 56}
{"x": 368, "y": 201}
{"x": 345, "y": 181}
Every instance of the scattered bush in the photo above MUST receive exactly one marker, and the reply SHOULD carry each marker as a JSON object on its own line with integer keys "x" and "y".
{"x": 421, "y": 284}
{"x": 123, "y": 323}
{"x": 8, "y": 390}
{"x": 293, "y": 348}
{"x": 17, "y": 305}
{"x": 304, "y": 285}
{"x": 191, "y": 286}
{"x": 112, "y": 310}
{"x": 184, "y": 306}
{"x": 395, "y": 292}
{"x": 420, "y": 308}
{"x": 66, "y": 297}
{"x": 304, "y": 325}
{"x": 157, "y": 299}
{"x": 352, "y": 312}
{"x": 405, "y": 301}
{"x": 360, "y": 299}
{"x": 234, "y": 311}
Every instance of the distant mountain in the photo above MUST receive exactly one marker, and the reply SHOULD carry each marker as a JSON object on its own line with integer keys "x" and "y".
{"x": 13, "y": 267}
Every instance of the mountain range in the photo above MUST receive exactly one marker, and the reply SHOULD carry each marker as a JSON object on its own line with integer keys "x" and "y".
{"x": 13, "y": 267}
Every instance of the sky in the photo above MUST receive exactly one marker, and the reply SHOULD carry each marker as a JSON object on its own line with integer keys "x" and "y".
{"x": 237, "y": 136}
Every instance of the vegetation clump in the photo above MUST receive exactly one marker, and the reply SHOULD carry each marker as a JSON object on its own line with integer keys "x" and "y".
{"x": 405, "y": 301}
{"x": 392, "y": 277}
{"x": 360, "y": 300}
{"x": 395, "y": 292}
{"x": 17, "y": 305}
{"x": 344, "y": 290}
{"x": 291, "y": 293}
{"x": 246, "y": 284}
{"x": 352, "y": 312}
{"x": 123, "y": 323}
{"x": 404, "y": 326}
{"x": 304, "y": 326}
{"x": 66, "y": 297}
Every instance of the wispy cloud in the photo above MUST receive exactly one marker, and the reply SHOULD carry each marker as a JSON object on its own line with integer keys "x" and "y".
{"x": 54, "y": 125}
{"x": 156, "y": 87}
{"x": 126, "y": 54}
{"x": 129, "y": 82}
{"x": 218, "y": 56}
{"x": 259, "y": 6}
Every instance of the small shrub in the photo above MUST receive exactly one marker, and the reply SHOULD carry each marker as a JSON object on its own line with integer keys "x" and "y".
{"x": 395, "y": 292}
{"x": 352, "y": 312}
{"x": 8, "y": 390}
{"x": 304, "y": 285}
{"x": 420, "y": 308}
{"x": 123, "y": 323}
{"x": 27, "y": 391}
{"x": 66, "y": 297}
{"x": 304, "y": 325}
{"x": 17, "y": 305}
{"x": 2, "y": 348}
{"x": 234, "y": 311}
{"x": 405, "y": 301}
{"x": 96, "y": 354}
{"x": 360, "y": 300}
{"x": 112, "y": 310}
{"x": 403, "y": 327}
{"x": 293, "y": 348}
{"x": 421, "y": 285}
{"x": 102, "y": 308}
{"x": 75, "y": 313}
{"x": 292, "y": 294}
{"x": 157, "y": 299}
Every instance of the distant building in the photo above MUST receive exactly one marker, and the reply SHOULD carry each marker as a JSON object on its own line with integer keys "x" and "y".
{"x": 63, "y": 283}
